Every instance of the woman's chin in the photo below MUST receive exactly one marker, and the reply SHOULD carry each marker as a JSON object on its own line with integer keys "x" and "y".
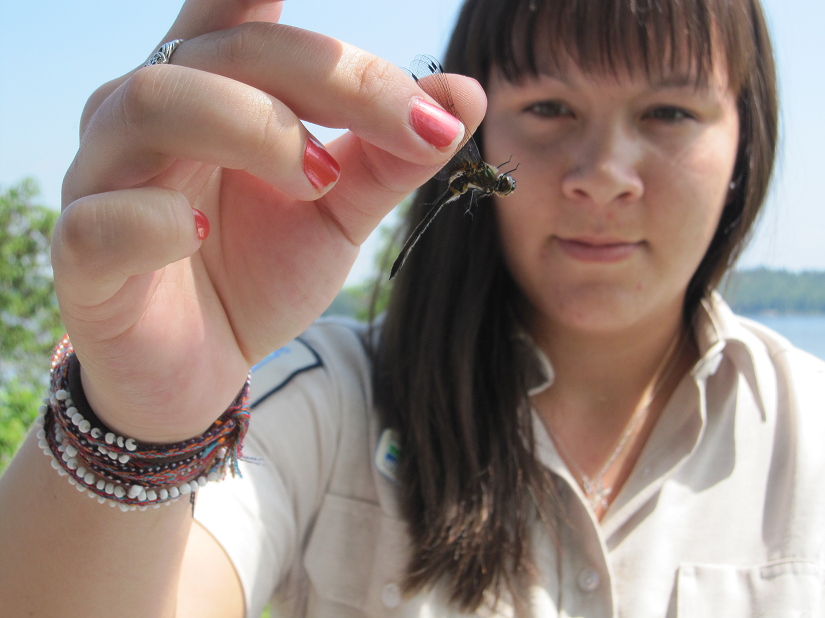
{"x": 603, "y": 310}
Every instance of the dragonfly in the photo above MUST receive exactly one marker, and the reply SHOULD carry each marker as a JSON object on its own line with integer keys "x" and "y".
{"x": 466, "y": 172}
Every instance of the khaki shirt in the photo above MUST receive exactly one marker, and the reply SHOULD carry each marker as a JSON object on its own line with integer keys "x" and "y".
{"x": 723, "y": 515}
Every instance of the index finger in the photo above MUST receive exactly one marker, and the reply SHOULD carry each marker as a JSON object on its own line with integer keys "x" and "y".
{"x": 199, "y": 17}
{"x": 330, "y": 83}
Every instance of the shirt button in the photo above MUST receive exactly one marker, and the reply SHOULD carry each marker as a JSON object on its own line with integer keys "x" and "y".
{"x": 588, "y": 580}
{"x": 391, "y": 595}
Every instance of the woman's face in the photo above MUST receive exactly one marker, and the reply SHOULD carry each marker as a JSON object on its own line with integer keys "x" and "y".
{"x": 621, "y": 185}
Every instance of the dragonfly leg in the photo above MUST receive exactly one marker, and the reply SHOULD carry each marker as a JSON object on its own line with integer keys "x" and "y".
{"x": 470, "y": 203}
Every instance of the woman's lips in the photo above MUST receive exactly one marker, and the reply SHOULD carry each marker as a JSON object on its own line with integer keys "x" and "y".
{"x": 608, "y": 250}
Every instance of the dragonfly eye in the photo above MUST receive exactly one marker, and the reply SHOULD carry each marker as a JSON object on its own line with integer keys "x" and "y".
{"x": 505, "y": 185}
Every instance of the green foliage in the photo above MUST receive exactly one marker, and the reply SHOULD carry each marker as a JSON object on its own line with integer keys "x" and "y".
{"x": 18, "y": 409}
{"x": 29, "y": 316}
{"x": 352, "y": 301}
{"x": 762, "y": 290}
{"x": 361, "y": 301}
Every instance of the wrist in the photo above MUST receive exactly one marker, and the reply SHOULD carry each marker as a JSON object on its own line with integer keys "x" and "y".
{"x": 114, "y": 414}
{"x": 124, "y": 471}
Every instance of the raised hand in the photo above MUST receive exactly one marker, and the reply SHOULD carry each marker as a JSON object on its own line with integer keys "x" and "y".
{"x": 166, "y": 326}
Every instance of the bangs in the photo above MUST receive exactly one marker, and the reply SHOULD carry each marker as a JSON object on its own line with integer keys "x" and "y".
{"x": 525, "y": 38}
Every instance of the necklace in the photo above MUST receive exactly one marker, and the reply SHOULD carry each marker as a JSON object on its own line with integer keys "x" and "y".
{"x": 594, "y": 488}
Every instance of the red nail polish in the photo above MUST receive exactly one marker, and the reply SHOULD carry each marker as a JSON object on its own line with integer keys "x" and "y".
{"x": 435, "y": 125}
{"x": 201, "y": 224}
{"x": 319, "y": 166}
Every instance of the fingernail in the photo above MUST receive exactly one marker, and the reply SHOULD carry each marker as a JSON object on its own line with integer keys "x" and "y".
{"x": 432, "y": 123}
{"x": 319, "y": 166}
{"x": 201, "y": 224}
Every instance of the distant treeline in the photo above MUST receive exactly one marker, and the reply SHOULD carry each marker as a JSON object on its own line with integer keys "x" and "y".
{"x": 756, "y": 291}
{"x": 762, "y": 290}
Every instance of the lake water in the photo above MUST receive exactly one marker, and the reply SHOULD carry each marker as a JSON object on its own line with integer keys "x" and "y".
{"x": 804, "y": 331}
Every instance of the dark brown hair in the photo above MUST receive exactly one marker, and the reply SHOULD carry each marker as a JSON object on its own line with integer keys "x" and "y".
{"x": 448, "y": 373}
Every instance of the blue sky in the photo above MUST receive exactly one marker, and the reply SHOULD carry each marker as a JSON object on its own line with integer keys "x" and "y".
{"x": 54, "y": 54}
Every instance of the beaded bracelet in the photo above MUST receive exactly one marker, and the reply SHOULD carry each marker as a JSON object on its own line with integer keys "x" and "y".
{"x": 120, "y": 470}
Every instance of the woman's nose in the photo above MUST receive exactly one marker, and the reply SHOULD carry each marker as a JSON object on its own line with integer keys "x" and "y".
{"x": 605, "y": 169}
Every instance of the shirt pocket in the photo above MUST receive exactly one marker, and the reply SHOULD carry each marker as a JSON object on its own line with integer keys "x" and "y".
{"x": 355, "y": 560}
{"x": 783, "y": 589}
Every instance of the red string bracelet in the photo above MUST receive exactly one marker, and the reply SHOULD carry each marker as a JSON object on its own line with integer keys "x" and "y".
{"x": 120, "y": 470}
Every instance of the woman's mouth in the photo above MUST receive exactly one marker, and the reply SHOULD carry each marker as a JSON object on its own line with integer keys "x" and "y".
{"x": 604, "y": 250}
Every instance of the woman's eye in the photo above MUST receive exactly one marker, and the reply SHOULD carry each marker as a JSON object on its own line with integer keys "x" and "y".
{"x": 669, "y": 114}
{"x": 549, "y": 109}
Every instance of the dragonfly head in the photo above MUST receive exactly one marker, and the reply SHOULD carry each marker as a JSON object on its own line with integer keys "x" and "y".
{"x": 505, "y": 185}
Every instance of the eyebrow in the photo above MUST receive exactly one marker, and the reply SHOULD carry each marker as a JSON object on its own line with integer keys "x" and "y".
{"x": 676, "y": 79}
{"x": 679, "y": 80}
{"x": 658, "y": 81}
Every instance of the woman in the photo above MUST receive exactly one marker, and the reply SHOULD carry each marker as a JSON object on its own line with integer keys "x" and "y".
{"x": 556, "y": 415}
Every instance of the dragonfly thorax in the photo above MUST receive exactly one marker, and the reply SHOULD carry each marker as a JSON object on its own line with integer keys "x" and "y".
{"x": 483, "y": 178}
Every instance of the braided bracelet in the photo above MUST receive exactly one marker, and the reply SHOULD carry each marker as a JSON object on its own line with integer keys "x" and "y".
{"x": 120, "y": 470}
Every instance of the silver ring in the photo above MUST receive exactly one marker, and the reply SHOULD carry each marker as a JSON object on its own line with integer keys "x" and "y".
{"x": 164, "y": 54}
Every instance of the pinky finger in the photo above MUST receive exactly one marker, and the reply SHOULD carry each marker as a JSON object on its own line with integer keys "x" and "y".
{"x": 101, "y": 240}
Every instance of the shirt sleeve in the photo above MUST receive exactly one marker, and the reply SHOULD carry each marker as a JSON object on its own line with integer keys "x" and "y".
{"x": 262, "y": 519}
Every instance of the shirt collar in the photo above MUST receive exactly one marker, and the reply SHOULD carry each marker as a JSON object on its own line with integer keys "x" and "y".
{"x": 719, "y": 333}
{"x": 540, "y": 374}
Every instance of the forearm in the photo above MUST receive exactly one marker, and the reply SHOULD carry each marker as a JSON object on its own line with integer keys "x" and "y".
{"x": 62, "y": 553}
